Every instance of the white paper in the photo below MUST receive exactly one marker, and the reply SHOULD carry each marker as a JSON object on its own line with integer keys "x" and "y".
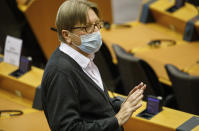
{"x": 12, "y": 51}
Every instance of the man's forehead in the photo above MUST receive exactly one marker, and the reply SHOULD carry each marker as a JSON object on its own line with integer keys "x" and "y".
{"x": 92, "y": 17}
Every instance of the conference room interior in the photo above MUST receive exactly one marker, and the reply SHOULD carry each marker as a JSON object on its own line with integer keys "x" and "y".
{"x": 150, "y": 41}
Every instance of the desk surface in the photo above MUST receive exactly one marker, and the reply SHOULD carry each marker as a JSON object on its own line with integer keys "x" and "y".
{"x": 34, "y": 121}
{"x": 184, "y": 56}
{"x": 176, "y": 21}
{"x": 7, "y": 104}
{"x": 167, "y": 120}
{"x": 31, "y": 120}
{"x": 137, "y": 36}
{"x": 30, "y": 80}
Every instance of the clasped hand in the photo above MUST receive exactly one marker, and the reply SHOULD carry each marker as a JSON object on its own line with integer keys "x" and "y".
{"x": 131, "y": 104}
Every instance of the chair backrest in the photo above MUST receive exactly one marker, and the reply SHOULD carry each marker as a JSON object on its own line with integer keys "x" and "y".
{"x": 186, "y": 89}
{"x": 133, "y": 70}
{"x": 108, "y": 70}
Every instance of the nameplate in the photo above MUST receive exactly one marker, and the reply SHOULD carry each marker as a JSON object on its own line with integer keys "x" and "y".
{"x": 12, "y": 51}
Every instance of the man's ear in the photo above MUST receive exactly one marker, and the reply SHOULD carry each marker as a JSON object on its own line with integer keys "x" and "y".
{"x": 66, "y": 35}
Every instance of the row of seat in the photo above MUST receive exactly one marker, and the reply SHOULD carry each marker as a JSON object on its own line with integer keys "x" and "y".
{"x": 130, "y": 71}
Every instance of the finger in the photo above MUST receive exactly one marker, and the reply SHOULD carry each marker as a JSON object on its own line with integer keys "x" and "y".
{"x": 140, "y": 102}
{"x": 143, "y": 87}
{"x": 140, "y": 85}
{"x": 133, "y": 90}
{"x": 137, "y": 102}
{"x": 135, "y": 98}
{"x": 129, "y": 95}
{"x": 136, "y": 107}
{"x": 136, "y": 87}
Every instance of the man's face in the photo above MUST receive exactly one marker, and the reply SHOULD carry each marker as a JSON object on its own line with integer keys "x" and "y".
{"x": 74, "y": 37}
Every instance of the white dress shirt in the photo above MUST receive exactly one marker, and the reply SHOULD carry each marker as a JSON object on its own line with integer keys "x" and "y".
{"x": 87, "y": 64}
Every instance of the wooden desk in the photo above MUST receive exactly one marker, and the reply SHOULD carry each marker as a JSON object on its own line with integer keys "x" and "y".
{"x": 184, "y": 56}
{"x": 176, "y": 21}
{"x": 166, "y": 26}
{"x": 23, "y": 86}
{"x": 34, "y": 121}
{"x": 8, "y": 104}
{"x": 137, "y": 36}
{"x": 13, "y": 98}
{"x": 31, "y": 120}
{"x": 167, "y": 120}
{"x": 18, "y": 94}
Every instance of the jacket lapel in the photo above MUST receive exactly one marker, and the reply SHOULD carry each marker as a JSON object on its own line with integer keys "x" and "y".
{"x": 106, "y": 93}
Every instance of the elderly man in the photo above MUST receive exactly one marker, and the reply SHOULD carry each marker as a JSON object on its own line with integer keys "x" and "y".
{"x": 73, "y": 95}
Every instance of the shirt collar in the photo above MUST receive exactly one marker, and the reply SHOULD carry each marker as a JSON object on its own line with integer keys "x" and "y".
{"x": 82, "y": 60}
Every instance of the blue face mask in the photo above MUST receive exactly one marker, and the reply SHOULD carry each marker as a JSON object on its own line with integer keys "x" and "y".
{"x": 90, "y": 43}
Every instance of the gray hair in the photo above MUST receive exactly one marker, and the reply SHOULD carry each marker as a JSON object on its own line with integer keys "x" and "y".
{"x": 73, "y": 12}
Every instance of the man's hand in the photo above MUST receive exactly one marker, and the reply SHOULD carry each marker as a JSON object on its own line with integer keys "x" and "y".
{"x": 131, "y": 104}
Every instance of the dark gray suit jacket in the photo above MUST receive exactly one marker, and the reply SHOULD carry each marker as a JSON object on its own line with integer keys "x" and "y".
{"x": 72, "y": 101}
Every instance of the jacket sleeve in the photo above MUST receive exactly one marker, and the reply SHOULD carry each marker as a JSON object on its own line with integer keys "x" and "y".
{"x": 62, "y": 107}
